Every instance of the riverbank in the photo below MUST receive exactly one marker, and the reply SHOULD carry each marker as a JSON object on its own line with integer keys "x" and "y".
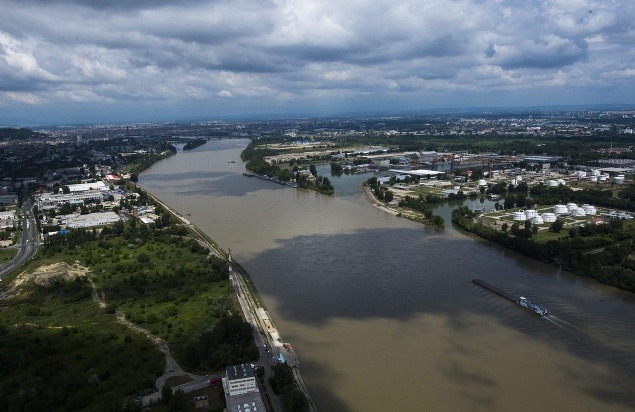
{"x": 370, "y": 197}
{"x": 253, "y": 308}
{"x": 603, "y": 255}
{"x": 399, "y": 211}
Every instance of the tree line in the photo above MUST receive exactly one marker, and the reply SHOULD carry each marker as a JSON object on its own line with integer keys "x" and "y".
{"x": 601, "y": 253}
{"x": 284, "y": 384}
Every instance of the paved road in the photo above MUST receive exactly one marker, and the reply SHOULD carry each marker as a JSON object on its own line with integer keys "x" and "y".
{"x": 265, "y": 348}
{"x": 28, "y": 242}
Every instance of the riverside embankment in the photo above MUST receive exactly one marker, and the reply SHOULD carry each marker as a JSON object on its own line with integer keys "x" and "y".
{"x": 266, "y": 335}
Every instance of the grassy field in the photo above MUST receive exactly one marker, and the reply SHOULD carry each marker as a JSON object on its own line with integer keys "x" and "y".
{"x": 546, "y": 235}
{"x": 7, "y": 254}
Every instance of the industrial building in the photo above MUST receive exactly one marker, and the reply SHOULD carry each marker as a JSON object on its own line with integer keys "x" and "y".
{"x": 88, "y": 187}
{"x": 93, "y": 219}
{"x": 53, "y": 201}
{"x": 418, "y": 173}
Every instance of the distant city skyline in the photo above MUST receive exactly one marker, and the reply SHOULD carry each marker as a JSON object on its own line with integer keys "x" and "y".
{"x": 73, "y": 62}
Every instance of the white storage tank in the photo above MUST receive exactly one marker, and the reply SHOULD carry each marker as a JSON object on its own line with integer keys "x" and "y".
{"x": 537, "y": 220}
{"x": 560, "y": 210}
{"x": 571, "y": 206}
{"x": 519, "y": 216}
{"x": 580, "y": 174}
{"x": 552, "y": 183}
{"x": 619, "y": 179}
{"x": 578, "y": 212}
{"x": 482, "y": 182}
{"x": 548, "y": 217}
{"x": 603, "y": 178}
{"x": 529, "y": 213}
{"x": 589, "y": 210}
{"x": 594, "y": 179}
{"x": 595, "y": 172}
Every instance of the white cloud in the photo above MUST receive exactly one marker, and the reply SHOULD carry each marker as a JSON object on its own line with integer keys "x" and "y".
{"x": 225, "y": 93}
{"x": 27, "y": 98}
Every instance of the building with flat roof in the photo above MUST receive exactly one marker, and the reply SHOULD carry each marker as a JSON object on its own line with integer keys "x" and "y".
{"x": 418, "y": 172}
{"x": 85, "y": 187}
{"x": 241, "y": 390}
{"x": 542, "y": 159}
{"x": 617, "y": 169}
{"x": 52, "y": 201}
{"x": 240, "y": 379}
{"x": 89, "y": 220}
{"x": 247, "y": 402}
{"x": 8, "y": 219}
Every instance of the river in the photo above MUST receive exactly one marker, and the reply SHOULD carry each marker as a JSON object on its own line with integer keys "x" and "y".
{"x": 381, "y": 310}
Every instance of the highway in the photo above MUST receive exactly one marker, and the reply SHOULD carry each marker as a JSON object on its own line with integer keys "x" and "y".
{"x": 28, "y": 241}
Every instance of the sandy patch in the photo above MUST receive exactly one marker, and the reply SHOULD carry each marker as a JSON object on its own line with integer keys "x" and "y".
{"x": 45, "y": 274}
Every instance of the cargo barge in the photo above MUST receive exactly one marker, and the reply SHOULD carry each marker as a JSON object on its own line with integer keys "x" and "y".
{"x": 522, "y": 301}
{"x": 494, "y": 289}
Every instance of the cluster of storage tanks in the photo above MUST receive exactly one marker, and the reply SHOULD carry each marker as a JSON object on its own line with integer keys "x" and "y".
{"x": 596, "y": 176}
{"x": 574, "y": 210}
{"x": 534, "y": 217}
{"x": 571, "y": 209}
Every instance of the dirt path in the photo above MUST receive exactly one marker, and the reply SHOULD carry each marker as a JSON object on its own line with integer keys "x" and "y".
{"x": 368, "y": 194}
{"x": 45, "y": 274}
{"x": 172, "y": 367}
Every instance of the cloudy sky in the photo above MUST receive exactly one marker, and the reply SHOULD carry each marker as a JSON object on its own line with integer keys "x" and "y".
{"x": 138, "y": 60}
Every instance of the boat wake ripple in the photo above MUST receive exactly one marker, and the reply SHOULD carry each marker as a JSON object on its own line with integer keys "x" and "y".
{"x": 561, "y": 323}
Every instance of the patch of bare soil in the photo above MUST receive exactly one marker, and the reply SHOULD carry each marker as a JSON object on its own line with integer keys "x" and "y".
{"x": 46, "y": 274}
